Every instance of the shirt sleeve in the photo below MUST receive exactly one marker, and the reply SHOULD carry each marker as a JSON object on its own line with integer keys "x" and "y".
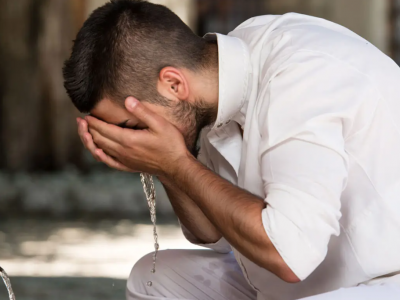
{"x": 222, "y": 245}
{"x": 302, "y": 154}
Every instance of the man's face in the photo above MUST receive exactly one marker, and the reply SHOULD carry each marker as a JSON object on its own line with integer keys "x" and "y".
{"x": 189, "y": 118}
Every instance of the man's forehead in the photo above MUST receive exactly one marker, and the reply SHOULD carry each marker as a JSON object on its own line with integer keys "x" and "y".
{"x": 110, "y": 112}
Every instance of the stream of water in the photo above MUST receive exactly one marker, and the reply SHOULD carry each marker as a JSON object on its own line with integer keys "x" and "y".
{"x": 150, "y": 191}
{"x": 7, "y": 282}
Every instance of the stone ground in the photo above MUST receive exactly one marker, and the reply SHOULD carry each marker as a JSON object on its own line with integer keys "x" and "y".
{"x": 77, "y": 260}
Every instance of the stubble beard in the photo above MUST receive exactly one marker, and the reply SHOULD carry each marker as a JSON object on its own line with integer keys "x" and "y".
{"x": 194, "y": 117}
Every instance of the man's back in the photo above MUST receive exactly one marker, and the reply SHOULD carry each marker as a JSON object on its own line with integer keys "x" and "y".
{"x": 321, "y": 145}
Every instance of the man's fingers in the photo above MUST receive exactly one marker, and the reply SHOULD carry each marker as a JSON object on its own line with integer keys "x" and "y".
{"x": 105, "y": 143}
{"x": 112, "y": 163}
{"x": 86, "y": 138}
{"x": 143, "y": 113}
{"x": 83, "y": 132}
{"x": 81, "y": 129}
{"x": 98, "y": 154}
{"x": 91, "y": 146}
{"x": 109, "y": 131}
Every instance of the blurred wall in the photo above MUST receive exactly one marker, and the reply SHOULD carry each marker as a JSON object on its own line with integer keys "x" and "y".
{"x": 368, "y": 18}
{"x": 185, "y": 9}
{"x": 223, "y": 16}
{"x": 37, "y": 129}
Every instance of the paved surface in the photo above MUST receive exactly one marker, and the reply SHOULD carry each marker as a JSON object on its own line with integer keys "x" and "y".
{"x": 77, "y": 260}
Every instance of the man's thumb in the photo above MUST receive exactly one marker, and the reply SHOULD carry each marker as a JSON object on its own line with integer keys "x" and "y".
{"x": 141, "y": 112}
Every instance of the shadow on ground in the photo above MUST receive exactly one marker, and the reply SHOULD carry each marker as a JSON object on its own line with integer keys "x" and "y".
{"x": 65, "y": 288}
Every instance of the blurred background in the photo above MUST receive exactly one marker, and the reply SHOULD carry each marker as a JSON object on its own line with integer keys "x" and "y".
{"x": 70, "y": 227}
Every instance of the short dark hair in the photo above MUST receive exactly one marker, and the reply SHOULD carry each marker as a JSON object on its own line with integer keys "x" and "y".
{"x": 121, "y": 49}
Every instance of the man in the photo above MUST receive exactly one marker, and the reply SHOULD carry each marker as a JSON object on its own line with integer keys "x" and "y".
{"x": 298, "y": 171}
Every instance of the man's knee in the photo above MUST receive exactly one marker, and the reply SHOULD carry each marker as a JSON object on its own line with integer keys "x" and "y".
{"x": 137, "y": 282}
{"x": 142, "y": 266}
{"x": 167, "y": 260}
{"x": 188, "y": 274}
{"x": 142, "y": 269}
{"x": 170, "y": 263}
{"x": 141, "y": 272}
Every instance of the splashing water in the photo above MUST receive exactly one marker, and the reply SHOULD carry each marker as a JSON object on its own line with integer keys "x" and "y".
{"x": 7, "y": 282}
{"x": 150, "y": 192}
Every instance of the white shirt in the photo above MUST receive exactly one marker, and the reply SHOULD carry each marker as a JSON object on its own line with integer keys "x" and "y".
{"x": 320, "y": 108}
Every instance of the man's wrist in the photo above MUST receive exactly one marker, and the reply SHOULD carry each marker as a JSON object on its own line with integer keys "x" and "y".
{"x": 174, "y": 172}
{"x": 165, "y": 181}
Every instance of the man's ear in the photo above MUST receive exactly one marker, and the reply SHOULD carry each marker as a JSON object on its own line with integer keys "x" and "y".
{"x": 173, "y": 84}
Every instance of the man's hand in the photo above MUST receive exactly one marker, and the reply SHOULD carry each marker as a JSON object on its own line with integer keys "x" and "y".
{"x": 97, "y": 153}
{"x": 154, "y": 150}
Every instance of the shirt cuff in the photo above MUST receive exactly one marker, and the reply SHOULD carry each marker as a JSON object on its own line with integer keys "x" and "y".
{"x": 291, "y": 243}
{"x": 221, "y": 246}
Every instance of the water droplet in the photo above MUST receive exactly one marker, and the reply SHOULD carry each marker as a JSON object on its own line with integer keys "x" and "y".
{"x": 153, "y": 270}
{"x": 156, "y": 246}
{"x": 149, "y": 283}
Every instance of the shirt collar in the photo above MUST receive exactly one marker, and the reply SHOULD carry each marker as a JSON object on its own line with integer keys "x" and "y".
{"x": 234, "y": 77}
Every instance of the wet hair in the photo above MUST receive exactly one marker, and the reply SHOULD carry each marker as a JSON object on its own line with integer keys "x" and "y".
{"x": 121, "y": 49}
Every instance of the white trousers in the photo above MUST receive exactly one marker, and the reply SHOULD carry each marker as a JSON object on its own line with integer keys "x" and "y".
{"x": 207, "y": 275}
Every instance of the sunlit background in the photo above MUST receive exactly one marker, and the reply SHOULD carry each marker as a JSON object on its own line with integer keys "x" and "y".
{"x": 69, "y": 227}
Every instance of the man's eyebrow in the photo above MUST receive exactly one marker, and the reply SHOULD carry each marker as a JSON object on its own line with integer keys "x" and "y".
{"x": 123, "y": 124}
